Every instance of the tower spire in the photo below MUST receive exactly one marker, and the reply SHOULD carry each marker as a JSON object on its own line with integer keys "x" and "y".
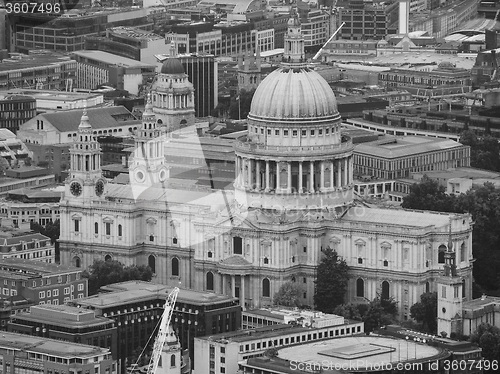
{"x": 294, "y": 41}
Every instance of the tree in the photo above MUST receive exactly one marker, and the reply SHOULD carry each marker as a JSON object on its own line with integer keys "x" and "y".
{"x": 485, "y": 151}
{"x": 425, "y": 312}
{"x": 488, "y": 338}
{"x": 102, "y": 273}
{"x": 349, "y": 311}
{"x": 428, "y": 195}
{"x": 331, "y": 281}
{"x": 52, "y": 230}
{"x": 288, "y": 295}
{"x": 380, "y": 312}
{"x": 240, "y": 105}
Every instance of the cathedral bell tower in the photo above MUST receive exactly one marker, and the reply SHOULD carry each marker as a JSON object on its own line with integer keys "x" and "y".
{"x": 449, "y": 288}
{"x": 147, "y": 165}
{"x": 85, "y": 180}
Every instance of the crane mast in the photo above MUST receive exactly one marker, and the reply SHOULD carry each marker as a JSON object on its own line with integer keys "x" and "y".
{"x": 162, "y": 331}
{"x": 316, "y": 56}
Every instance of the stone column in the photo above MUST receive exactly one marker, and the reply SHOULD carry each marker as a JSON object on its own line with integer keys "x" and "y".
{"x": 289, "y": 185}
{"x": 249, "y": 184}
{"x": 311, "y": 176}
{"x": 322, "y": 176}
{"x": 300, "y": 176}
{"x": 332, "y": 185}
{"x": 278, "y": 181}
{"x": 233, "y": 285}
{"x": 339, "y": 173}
{"x": 242, "y": 291}
{"x": 259, "y": 183}
{"x": 267, "y": 176}
{"x": 224, "y": 284}
{"x": 345, "y": 171}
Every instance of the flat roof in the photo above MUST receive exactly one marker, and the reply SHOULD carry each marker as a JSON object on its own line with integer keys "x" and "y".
{"x": 360, "y": 352}
{"x": 395, "y": 147}
{"x": 49, "y": 346}
{"x": 33, "y": 61}
{"x": 132, "y": 291}
{"x": 135, "y": 33}
{"x": 399, "y": 217}
{"x": 53, "y": 94}
{"x": 463, "y": 172}
{"x": 112, "y": 59}
{"x": 38, "y": 266}
{"x": 481, "y": 302}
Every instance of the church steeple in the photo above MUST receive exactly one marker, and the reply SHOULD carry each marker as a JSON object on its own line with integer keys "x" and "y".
{"x": 147, "y": 165}
{"x": 85, "y": 162}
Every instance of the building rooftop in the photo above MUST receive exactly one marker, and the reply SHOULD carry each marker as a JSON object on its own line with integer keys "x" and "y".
{"x": 20, "y": 62}
{"x": 481, "y": 302}
{"x": 48, "y": 346}
{"x": 54, "y": 95}
{"x": 111, "y": 59}
{"x": 463, "y": 172}
{"x": 135, "y": 33}
{"x": 36, "y": 267}
{"x": 360, "y": 352}
{"x": 396, "y": 147}
{"x": 25, "y": 238}
{"x": 63, "y": 315}
{"x": 134, "y": 291}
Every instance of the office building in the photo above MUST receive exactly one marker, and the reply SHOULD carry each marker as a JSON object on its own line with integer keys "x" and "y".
{"x": 15, "y": 110}
{"x": 23, "y": 353}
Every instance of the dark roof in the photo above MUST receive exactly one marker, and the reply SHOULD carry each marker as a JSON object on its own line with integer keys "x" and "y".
{"x": 172, "y": 66}
{"x": 99, "y": 118}
{"x": 24, "y": 238}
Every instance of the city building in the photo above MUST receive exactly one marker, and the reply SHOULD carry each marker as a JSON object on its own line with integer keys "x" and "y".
{"x": 23, "y": 353}
{"x": 39, "y": 70}
{"x": 249, "y": 72}
{"x": 368, "y": 20}
{"x": 397, "y": 157}
{"x": 54, "y": 100}
{"x": 292, "y": 196}
{"x": 135, "y": 303}
{"x": 31, "y": 247}
{"x": 129, "y": 42}
{"x": 15, "y": 110}
{"x": 10, "y": 184}
{"x": 66, "y": 323}
{"x": 68, "y": 33}
{"x": 13, "y": 150}
{"x": 221, "y": 353}
{"x": 95, "y": 68}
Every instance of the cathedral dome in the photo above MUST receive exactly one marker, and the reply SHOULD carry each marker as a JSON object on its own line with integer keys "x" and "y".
{"x": 293, "y": 93}
{"x": 172, "y": 66}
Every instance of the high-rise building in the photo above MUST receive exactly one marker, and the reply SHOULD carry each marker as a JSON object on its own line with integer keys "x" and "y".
{"x": 201, "y": 70}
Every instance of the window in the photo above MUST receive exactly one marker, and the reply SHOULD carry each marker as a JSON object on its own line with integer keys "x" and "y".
{"x": 108, "y": 228}
{"x": 266, "y": 288}
{"x": 96, "y": 228}
{"x": 360, "y": 260}
{"x": 442, "y": 250}
{"x": 174, "y": 240}
{"x": 237, "y": 245}
{"x": 360, "y": 287}
{"x": 304, "y": 132}
{"x": 120, "y": 232}
{"x": 386, "y": 263}
{"x": 80, "y": 287}
{"x": 210, "y": 281}
{"x": 277, "y": 132}
{"x": 175, "y": 267}
{"x": 385, "y": 290}
{"x": 49, "y": 293}
{"x": 443, "y": 292}
{"x": 55, "y": 293}
{"x": 152, "y": 263}
{"x": 172, "y": 361}
{"x": 285, "y": 132}
{"x": 77, "y": 225}
{"x": 312, "y": 132}
{"x": 151, "y": 238}
{"x": 66, "y": 290}
{"x": 294, "y": 133}
{"x": 41, "y": 294}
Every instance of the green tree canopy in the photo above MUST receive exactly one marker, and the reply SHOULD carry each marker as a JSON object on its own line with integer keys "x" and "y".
{"x": 488, "y": 338}
{"x": 428, "y": 195}
{"x": 331, "y": 281}
{"x": 289, "y": 294}
{"x": 102, "y": 273}
{"x": 485, "y": 151}
{"x": 425, "y": 312}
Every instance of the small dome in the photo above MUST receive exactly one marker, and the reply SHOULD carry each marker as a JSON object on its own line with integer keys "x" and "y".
{"x": 293, "y": 93}
{"x": 172, "y": 66}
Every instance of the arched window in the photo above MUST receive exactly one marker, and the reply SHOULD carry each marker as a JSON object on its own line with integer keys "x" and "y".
{"x": 120, "y": 230}
{"x": 427, "y": 287}
{"x": 385, "y": 290}
{"x": 174, "y": 240}
{"x": 210, "y": 281}
{"x": 151, "y": 238}
{"x": 360, "y": 260}
{"x": 77, "y": 262}
{"x": 266, "y": 288}
{"x": 360, "y": 287}
{"x": 96, "y": 228}
{"x": 266, "y": 261}
{"x": 237, "y": 245}
{"x": 386, "y": 263}
{"x": 442, "y": 250}
{"x": 107, "y": 258}
{"x": 152, "y": 263}
{"x": 462, "y": 252}
{"x": 175, "y": 267}
{"x": 172, "y": 361}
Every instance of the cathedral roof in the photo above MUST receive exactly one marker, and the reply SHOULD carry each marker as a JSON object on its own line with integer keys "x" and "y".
{"x": 293, "y": 93}
{"x": 235, "y": 261}
{"x": 172, "y": 65}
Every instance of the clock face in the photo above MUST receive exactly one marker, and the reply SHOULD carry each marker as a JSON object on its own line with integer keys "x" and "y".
{"x": 99, "y": 187}
{"x": 75, "y": 188}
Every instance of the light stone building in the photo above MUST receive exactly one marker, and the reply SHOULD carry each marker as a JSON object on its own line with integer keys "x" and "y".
{"x": 292, "y": 197}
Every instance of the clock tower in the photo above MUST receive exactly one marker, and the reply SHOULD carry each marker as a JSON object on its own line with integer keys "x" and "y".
{"x": 85, "y": 179}
{"x": 449, "y": 287}
{"x": 147, "y": 164}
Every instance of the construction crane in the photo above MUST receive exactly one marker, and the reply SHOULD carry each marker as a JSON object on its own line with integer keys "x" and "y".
{"x": 162, "y": 331}
{"x": 316, "y": 56}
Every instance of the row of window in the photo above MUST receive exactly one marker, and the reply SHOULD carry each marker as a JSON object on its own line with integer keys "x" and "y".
{"x": 303, "y": 133}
